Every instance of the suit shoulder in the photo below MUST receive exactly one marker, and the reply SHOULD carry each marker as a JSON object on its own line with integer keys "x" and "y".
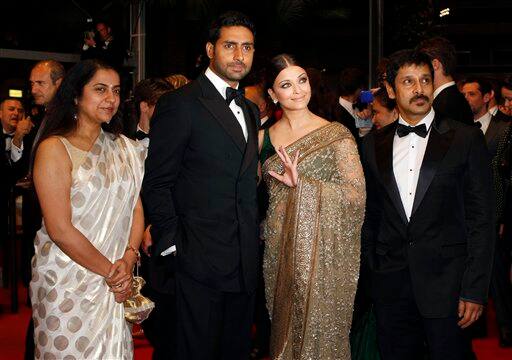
{"x": 183, "y": 94}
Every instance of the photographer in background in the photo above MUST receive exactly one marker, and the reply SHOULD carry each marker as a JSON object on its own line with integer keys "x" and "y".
{"x": 353, "y": 111}
{"x": 103, "y": 46}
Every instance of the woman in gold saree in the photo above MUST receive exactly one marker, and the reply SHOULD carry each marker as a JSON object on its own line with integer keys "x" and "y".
{"x": 88, "y": 182}
{"x": 313, "y": 223}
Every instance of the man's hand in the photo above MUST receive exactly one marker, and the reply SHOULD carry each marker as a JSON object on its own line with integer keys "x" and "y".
{"x": 147, "y": 241}
{"x": 469, "y": 312}
{"x": 22, "y": 128}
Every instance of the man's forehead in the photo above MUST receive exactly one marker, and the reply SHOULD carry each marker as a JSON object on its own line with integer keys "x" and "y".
{"x": 236, "y": 34}
{"x": 40, "y": 71}
{"x": 12, "y": 102}
{"x": 414, "y": 68}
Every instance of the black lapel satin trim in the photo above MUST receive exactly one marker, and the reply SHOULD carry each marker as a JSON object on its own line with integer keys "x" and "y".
{"x": 217, "y": 106}
{"x": 252, "y": 136}
{"x": 438, "y": 144}
{"x": 384, "y": 159}
{"x": 492, "y": 131}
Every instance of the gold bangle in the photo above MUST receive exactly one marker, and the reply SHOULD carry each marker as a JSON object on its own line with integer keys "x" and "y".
{"x": 136, "y": 252}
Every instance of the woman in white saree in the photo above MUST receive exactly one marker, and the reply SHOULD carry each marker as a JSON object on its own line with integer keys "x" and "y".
{"x": 87, "y": 179}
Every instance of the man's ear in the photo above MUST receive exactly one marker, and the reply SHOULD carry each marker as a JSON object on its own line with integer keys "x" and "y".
{"x": 488, "y": 96}
{"x": 58, "y": 82}
{"x": 210, "y": 50}
{"x": 143, "y": 107}
{"x": 390, "y": 91}
{"x": 436, "y": 64}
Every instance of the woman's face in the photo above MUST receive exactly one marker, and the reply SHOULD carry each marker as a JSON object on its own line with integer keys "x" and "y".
{"x": 291, "y": 88}
{"x": 381, "y": 115}
{"x": 100, "y": 97}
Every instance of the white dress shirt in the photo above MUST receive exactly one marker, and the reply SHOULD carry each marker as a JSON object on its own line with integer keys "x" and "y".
{"x": 408, "y": 152}
{"x": 442, "y": 87}
{"x": 493, "y": 110}
{"x": 221, "y": 87}
{"x": 485, "y": 120}
{"x": 16, "y": 152}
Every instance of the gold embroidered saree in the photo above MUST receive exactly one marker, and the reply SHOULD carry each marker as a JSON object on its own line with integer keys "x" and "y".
{"x": 312, "y": 237}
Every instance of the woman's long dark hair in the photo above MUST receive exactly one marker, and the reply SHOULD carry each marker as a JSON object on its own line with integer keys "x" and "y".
{"x": 60, "y": 118}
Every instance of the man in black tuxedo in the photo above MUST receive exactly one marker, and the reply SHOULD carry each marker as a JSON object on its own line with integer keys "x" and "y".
{"x": 428, "y": 234}
{"x": 448, "y": 101}
{"x": 200, "y": 194}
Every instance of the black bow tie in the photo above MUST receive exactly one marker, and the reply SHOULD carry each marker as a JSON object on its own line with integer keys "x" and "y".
{"x": 478, "y": 124}
{"x": 404, "y": 130}
{"x": 234, "y": 94}
{"x": 10, "y": 136}
{"x": 140, "y": 135}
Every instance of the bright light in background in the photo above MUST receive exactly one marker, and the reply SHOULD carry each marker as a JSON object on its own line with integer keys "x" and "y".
{"x": 15, "y": 93}
{"x": 444, "y": 12}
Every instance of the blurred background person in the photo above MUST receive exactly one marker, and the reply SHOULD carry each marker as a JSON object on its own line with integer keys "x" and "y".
{"x": 384, "y": 111}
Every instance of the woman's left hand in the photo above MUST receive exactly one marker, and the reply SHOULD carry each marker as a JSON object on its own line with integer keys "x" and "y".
{"x": 290, "y": 176}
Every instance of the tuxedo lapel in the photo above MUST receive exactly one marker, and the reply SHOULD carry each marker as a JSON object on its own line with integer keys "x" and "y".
{"x": 490, "y": 135}
{"x": 252, "y": 135}
{"x": 218, "y": 107}
{"x": 384, "y": 159}
{"x": 439, "y": 142}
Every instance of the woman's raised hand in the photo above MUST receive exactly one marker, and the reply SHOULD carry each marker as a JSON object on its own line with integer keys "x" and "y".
{"x": 290, "y": 176}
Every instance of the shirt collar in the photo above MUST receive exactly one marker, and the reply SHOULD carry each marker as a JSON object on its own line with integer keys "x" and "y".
{"x": 427, "y": 120}
{"x": 485, "y": 118}
{"x": 218, "y": 82}
{"x": 493, "y": 110}
{"x": 442, "y": 87}
{"x": 347, "y": 105}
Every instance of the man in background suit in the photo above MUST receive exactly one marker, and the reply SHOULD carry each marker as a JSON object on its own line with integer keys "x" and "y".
{"x": 447, "y": 100}
{"x": 200, "y": 195}
{"x": 428, "y": 233}
{"x": 478, "y": 92}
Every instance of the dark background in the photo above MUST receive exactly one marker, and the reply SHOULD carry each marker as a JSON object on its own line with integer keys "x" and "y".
{"x": 330, "y": 34}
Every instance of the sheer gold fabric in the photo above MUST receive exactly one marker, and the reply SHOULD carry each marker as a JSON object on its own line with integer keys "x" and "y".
{"x": 312, "y": 235}
{"x": 75, "y": 315}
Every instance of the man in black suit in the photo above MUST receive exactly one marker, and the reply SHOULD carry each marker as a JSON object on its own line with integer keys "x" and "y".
{"x": 200, "y": 194}
{"x": 478, "y": 92}
{"x": 448, "y": 101}
{"x": 15, "y": 126}
{"x": 428, "y": 234}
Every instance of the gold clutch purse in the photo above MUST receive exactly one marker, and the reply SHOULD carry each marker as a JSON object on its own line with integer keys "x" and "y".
{"x": 138, "y": 307}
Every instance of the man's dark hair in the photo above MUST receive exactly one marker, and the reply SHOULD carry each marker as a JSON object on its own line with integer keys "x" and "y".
{"x": 382, "y": 97}
{"x": 149, "y": 90}
{"x": 403, "y": 58}
{"x": 350, "y": 81}
{"x": 57, "y": 70}
{"x": 484, "y": 85}
{"x": 507, "y": 83}
{"x": 441, "y": 49}
{"x": 230, "y": 18}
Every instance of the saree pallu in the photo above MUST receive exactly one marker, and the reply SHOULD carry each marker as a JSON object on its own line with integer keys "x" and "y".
{"x": 312, "y": 251}
{"x": 75, "y": 315}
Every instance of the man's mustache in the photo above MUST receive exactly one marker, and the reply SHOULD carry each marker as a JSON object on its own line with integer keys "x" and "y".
{"x": 418, "y": 97}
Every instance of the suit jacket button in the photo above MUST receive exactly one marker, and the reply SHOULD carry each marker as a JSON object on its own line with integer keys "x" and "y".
{"x": 411, "y": 243}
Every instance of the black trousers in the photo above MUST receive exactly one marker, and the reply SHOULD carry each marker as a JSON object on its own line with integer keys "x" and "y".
{"x": 501, "y": 288}
{"x": 211, "y": 324}
{"x": 402, "y": 331}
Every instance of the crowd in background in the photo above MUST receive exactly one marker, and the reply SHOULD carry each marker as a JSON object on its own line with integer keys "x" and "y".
{"x": 343, "y": 97}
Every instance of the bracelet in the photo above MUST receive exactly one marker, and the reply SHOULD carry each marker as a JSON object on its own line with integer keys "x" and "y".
{"x": 137, "y": 252}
